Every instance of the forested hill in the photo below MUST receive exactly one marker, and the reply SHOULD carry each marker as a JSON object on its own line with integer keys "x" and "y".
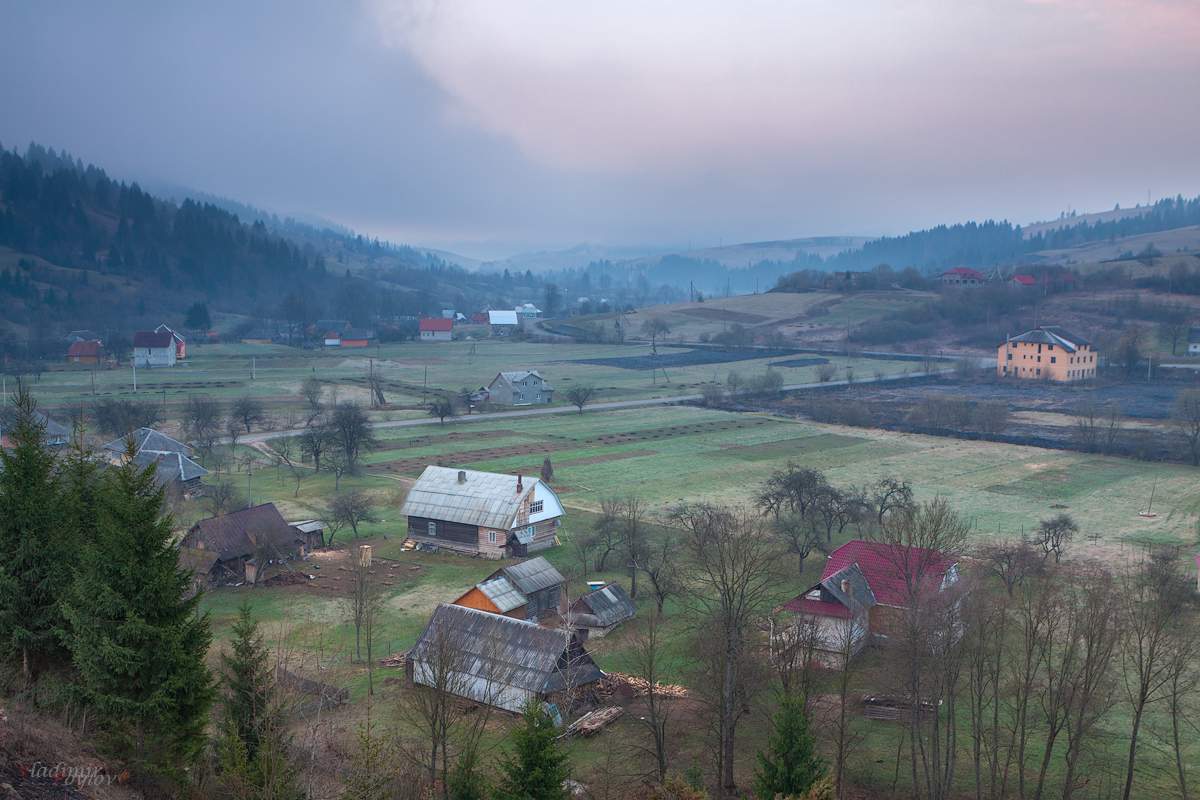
{"x": 81, "y": 249}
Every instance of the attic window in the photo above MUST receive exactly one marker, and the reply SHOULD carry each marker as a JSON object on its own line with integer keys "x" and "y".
{"x": 536, "y": 506}
{"x": 815, "y": 594}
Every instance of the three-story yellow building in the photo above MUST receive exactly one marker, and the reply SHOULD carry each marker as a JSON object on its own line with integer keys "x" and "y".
{"x": 1049, "y": 353}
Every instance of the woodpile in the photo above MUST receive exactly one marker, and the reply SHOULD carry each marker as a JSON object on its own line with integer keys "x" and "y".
{"x": 394, "y": 660}
{"x": 592, "y": 722}
{"x": 615, "y": 682}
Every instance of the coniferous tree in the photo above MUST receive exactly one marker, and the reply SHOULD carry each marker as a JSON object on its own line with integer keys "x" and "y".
{"x": 35, "y": 564}
{"x": 791, "y": 765}
{"x": 368, "y": 778}
{"x": 136, "y": 637}
{"x": 537, "y": 767}
{"x": 466, "y": 781}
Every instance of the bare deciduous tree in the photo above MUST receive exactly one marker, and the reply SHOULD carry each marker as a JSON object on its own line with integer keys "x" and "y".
{"x": 248, "y": 411}
{"x": 202, "y": 421}
{"x": 1054, "y": 534}
{"x": 580, "y": 395}
{"x": 312, "y": 393}
{"x": 1186, "y": 416}
{"x": 352, "y": 508}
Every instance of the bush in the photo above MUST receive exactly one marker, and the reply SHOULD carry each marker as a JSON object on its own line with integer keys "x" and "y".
{"x": 769, "y": 384}
{"x": 990, "y": 416}
{"x": 712, "y": 393}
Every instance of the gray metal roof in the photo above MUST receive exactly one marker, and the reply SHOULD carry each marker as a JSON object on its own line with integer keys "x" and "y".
{"x": 503, "y": 594}
{"x": 486, "y": 499}
{"x": 151, "y": 440}
{"x": 499, "y": 649}
{"x": 533, "y": 575}
{"x": 170, "y": 466}
{"x": 1052, "y": 334}
{"x": 856, "y": 582}
{"x": 609, "y": 605}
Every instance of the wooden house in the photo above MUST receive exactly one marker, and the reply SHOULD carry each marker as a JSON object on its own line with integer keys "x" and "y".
{"x": 482, "y": 513}
{"x": 356, "y": 338}
{"x": 500, "y": 661}
{"x": 530, "y": 590}
{"x": 85, "y": 351}
{"x": 312, "y": 531}
{"x": 245, "y": 542}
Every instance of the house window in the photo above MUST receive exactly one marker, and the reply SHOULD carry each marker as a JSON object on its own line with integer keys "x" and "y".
{"x": 431, "y": 528}
{"x": 492, "y": 537}
{"x": 536, "y": 506}
{"x": 1053, "y": 359}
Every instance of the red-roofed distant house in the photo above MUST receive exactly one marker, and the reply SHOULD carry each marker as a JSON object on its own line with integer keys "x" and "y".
{"x": 85, "y": 351}
{"x": 960, "y": 277}
{"x": 154, "y": 349}
{"x": 864, "y": 592}
{"x": 434, "y": 329}
{"x": 1023, "y": 281}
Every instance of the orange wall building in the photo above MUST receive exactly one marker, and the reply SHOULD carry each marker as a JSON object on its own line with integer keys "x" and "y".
{"x": 1047, "y": 353}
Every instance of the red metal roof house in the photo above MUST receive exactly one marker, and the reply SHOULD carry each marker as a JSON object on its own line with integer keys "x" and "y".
{"x": 963, "y": 276}
{"x": 434, "y": 329}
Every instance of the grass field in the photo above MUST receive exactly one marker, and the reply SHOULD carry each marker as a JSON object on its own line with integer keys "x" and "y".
{"x": 666, "y": 455}
{"x": 274, "y": 373}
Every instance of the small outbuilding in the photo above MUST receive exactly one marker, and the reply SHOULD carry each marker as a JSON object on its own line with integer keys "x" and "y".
{"x": 503, "y": 321}
{"x": 501, "y": 661}
{"x": 598, "y": 612}
{"x": 245, "y": 542}
{"x": 530, "y": 590}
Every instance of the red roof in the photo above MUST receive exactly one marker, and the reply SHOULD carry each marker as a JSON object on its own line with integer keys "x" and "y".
{"x": 80, "y": 349}
{"x": 153, "y": 339}
{"x": 820, "y": 608}
{"x": 437, "y": 324}
{"x": 965, "y": 272}
{"x": 1025, "y": 280}
{"x": 884, "y": 566}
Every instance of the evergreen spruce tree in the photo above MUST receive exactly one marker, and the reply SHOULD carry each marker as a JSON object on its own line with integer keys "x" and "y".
{"x": 253, "y": 749}
{"x": 369, "y": 776}
{"x": 466, "y": 781}
{"x": 791, "y": 766}
{"x": 537, "y": 767}
{"x": 35, "y": 562}
{"x": 136, "y": 637}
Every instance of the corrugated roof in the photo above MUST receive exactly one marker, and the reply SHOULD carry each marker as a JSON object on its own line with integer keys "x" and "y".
{"x": 153, "y": 339}
{"x": 883, "y": 566}
{"x": 241, "y": 534}
{"x": 170, "y": 467}
{"x": 150, "y": 440}
{"x": 533, "y": 575}
{"x": 502, "y": 593}
{"x": 501, "y": 650}
{"x": 609, "y": 604}
{"x": 436, "y": 324}
{"x": 485, "y": 499}
{"x": 1052, "y": 334}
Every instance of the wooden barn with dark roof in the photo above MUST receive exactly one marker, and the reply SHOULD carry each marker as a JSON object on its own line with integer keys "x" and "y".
{"x": 245, "y": 542}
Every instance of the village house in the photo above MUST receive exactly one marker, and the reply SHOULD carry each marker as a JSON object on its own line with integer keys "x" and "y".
{"x": 963, "y": 277}
{"x": 527, "y": 316}
{"x": 863, "y": 594}
{"x": 245, "y": 542}
{"x": 85, "y": 351}
{"x": 83, "y": 335}
{"x": 174, "y": 465}
{"x": 433, "y": 329}
{"x": 482, "y": 513}
{"x": 519, "y": 388}
{"x": 500, "y": 661}
{"x": 356, "y": 337}
{"x": 1023, "y": 281}
{"x": 180, "y": 342}
{"x": 503, "y": 321}
{"x": 598, "y": 612}
{"x": 154, "y": 349}
{"x": 54, "y": 434}
{"x": 530, "y": 590}
{"x": 1193, "y": 341}
{"x": 1047, "y": 352}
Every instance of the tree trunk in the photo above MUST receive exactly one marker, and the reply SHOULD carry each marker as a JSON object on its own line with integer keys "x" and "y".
{"x": 1133, "y": 742}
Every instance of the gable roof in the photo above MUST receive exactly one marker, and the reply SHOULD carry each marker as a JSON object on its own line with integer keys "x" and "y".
{"x": 504, "y": 596}
{"x": 164, "y": 329}
{"x": 1052, "y": 334}
{"x": 53, "y": 432}
{"x": 436, "y": 324}
{"x": 485, "y": 499}
{"x": 609, "y": 604}
{"x": 84, "y": 347}
{"x": 834, "y": 600}
{"x": 503, "y": 650}
{"x": 1024, "y": 280}
{"x": 884, "y": 566}
{"x": 503, "y": 317}
{"x": 533, "y": 575}
{"x": 154, "y": 339}
{"x": 149, "y": 440}
{"x": 241, "y": 534}
{"x": 514, "y": 375}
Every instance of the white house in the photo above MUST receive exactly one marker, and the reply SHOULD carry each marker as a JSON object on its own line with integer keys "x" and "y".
{"x": 520, "y": 388}
{"x": 154, "y": 349}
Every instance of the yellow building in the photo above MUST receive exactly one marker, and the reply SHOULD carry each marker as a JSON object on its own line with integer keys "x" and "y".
{"x": 1047, "y": 352}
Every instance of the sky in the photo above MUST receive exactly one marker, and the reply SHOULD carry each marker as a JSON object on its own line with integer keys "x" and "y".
{"x": 489, "y": 128}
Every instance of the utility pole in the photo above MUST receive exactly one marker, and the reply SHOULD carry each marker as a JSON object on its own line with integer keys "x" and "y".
{"x": 253, "y": 370}
{"x": 134, "y": 362}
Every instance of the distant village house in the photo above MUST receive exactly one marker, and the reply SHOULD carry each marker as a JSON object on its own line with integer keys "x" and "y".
{"x": 154, "y": 349}
{"x": 85, "y": 351}
{"x": 520, "y": 388}
{"x": 530, "y": 590}
{"x": 482, "y": 513}
{"x": 180, "y": 342}
{"x": 434, "y": 329}
{"x": 961, "y": 277}
{"x": 244, "y": 543}
{"x": 172, "y": 459}
{"x": 503, "y": 321}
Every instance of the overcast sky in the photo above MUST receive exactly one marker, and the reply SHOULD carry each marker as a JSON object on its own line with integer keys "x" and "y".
{"x": 490, "y": 127}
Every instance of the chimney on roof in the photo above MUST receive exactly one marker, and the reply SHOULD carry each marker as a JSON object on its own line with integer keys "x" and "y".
{"x": 462, "y": 476}
{"x": 520, "y": 487}
{"x": 845, "y": 586}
